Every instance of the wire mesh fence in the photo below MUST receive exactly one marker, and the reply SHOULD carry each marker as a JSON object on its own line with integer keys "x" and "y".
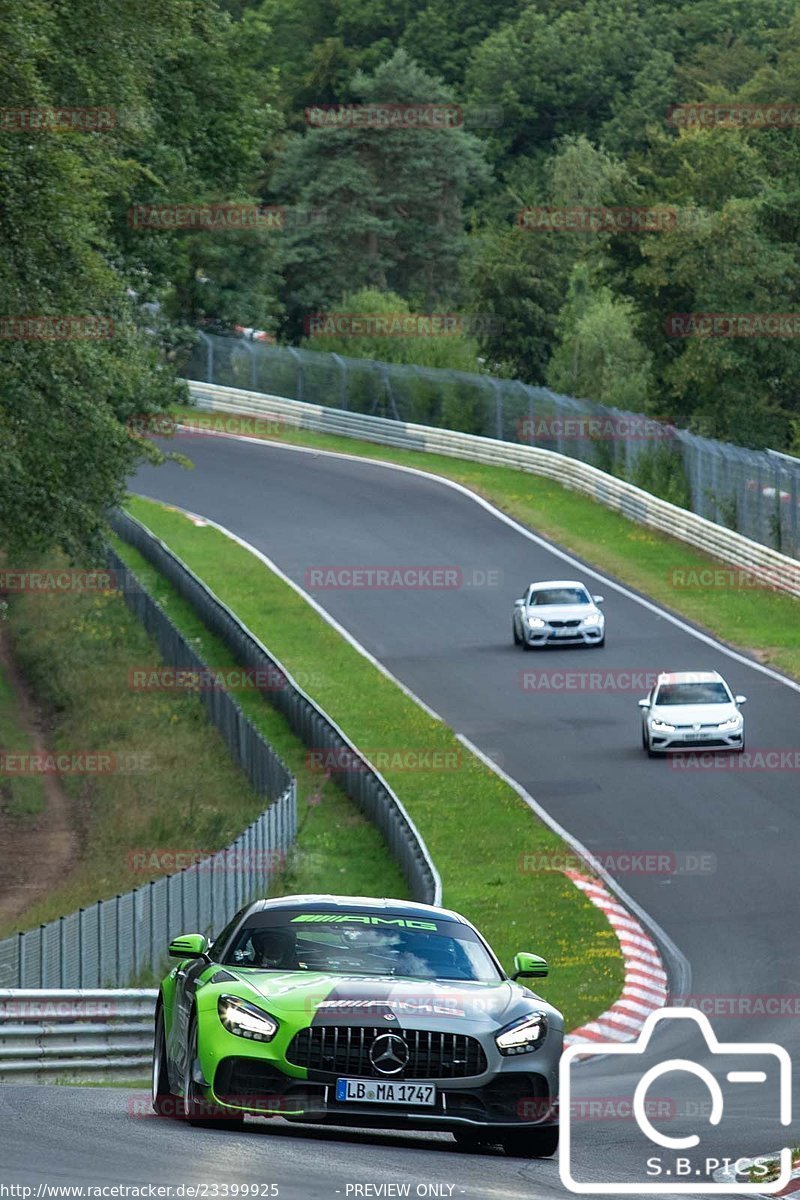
{"x": 117, "y": 941}
{"x": 360, "y": 781}
{"x": 755, "y": 492}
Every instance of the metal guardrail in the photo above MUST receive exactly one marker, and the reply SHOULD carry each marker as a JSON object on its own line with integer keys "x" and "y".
{"x": 57, "y": 1035}
{"x": 362, "y": 783}
{"x": 752, "y": 491}
{"x": 124, "y": 938}
{"x": 774, "y": 569}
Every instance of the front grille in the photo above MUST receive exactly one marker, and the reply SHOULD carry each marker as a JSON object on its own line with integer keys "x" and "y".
{"x": 564, "y": 624}
{"x": 344, "y": 1050}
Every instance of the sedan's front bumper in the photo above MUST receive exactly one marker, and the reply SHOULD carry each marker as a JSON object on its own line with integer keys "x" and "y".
{"x": 564, "y": 636}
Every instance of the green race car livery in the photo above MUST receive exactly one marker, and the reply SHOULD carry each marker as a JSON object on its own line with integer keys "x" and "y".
{"x": 358, "y": 1011}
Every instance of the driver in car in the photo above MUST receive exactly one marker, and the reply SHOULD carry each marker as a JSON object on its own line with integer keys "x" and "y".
{"x": 274, "y": 949}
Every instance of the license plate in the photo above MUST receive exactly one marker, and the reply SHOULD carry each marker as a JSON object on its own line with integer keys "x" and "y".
{"x": 370, "y": 1091}
{"x": 565, "y": 632}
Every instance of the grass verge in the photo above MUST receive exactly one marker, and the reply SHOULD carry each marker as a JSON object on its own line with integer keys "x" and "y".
{"x": 757, "y": 620}
{"x": 475, "y": 825}
{"x": 182, "y": 792}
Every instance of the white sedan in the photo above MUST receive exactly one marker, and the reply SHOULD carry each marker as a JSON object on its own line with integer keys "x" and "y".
{"x": 691, "y": 710}
{"x": 558, "y": 612}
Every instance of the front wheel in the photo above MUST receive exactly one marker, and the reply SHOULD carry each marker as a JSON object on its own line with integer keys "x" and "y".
{"x": 532, "y": 1143}
{"x": 515, "y": 632}
{"x": 195, "y": 1109}
{"x": 646, "y": 745}
{"x": 164, "y": 1103}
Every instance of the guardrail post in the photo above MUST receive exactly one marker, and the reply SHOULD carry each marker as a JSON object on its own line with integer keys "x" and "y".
{"x": 100, "y": 955}
{"x": 21, "y": 959}
{"x": 41, "y": 955}
{"x": 209, "y": 355}
{"x": 298, "y": 379}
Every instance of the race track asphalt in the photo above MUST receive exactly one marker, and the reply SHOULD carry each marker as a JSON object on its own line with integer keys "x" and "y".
{"x": 575, "y": 749}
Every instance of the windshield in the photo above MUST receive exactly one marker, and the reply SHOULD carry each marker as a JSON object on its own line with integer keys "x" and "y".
{"x": 343, "y": 944}
{"x": 693, "y": 693}
{"x": 561, "y": 595}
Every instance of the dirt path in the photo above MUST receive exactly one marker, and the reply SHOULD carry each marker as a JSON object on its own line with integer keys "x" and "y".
{"x": 36, "y": 853}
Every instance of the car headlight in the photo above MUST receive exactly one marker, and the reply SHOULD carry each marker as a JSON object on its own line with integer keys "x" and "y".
{"x": 245, "y": 1020}
{"x": 731, "y": 723}
{"x": 661, "y": 726}
{"x": 592, "y": 619}
{"x": 536, "y": 622}
{"x": 523, "y": 1036}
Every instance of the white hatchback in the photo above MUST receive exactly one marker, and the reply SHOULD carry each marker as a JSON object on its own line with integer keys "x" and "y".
{"x": 691, "y": 710}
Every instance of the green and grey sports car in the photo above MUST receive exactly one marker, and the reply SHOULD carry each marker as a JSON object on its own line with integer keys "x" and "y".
{"x": 352, "y": 1011}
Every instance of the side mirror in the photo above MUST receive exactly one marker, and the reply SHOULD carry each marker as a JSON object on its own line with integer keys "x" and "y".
{"x": 529, "y": 966}
{"x": 598, "y": 599}
{"x": 519, "y": 603}
{"x": 188, "y": 945}
{"x": 644, "y": 704}
{"x": 740, "y": 699}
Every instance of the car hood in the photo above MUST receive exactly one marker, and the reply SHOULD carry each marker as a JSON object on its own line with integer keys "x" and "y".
{"x": 694, "y": 714}
{"x": 560, "y": 612}
{"x": 412, "y": 1003}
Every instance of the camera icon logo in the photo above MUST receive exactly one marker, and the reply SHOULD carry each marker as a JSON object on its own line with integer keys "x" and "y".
{"x": 674, "y": 1170}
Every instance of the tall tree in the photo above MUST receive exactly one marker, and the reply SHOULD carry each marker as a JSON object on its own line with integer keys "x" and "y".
{"x": 393, "y": 200}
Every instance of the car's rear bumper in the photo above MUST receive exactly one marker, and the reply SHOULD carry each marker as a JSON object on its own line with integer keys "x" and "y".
{"x": 508, "y": 1100}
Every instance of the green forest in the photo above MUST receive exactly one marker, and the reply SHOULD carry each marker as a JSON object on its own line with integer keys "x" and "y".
{"x": 561, "y": 105}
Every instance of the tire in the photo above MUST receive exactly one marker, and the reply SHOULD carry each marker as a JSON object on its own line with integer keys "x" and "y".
{"x": 165, "y": 1104}
{"x": 526, "y": 644}
{"x": 196, "y": 1111}
{"x": 517, "y": 638}
{"x": 532, "y": 1143}
{"x": 646, "y": 746}
{"x": 599, "y": 645}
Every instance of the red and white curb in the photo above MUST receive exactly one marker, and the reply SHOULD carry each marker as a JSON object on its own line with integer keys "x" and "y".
{"x": 645, "y": 986}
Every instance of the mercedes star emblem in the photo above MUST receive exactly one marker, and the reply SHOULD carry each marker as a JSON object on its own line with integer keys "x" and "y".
{"x": 388, "y": 1054}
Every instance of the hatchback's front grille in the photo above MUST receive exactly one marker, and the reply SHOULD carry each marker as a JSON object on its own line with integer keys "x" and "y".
{"x": 344, "y": 1050}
